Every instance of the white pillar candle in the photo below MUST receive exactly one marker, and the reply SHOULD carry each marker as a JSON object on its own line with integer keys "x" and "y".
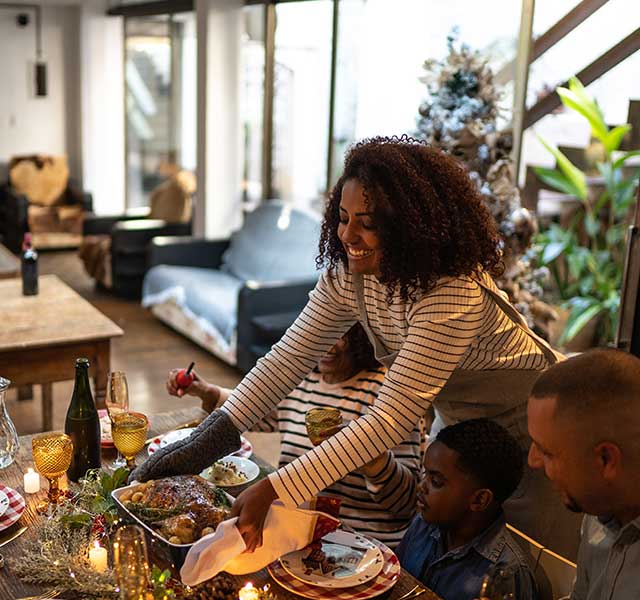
{"x": 31, "y": 481}
{"x": 248, "y": 592}
{"x": 98, "y": 558}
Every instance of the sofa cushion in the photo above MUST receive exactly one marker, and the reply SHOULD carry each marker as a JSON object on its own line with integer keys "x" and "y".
{"x": 275, "y": 242}
{"x": 270, "y": 328}
{"x": 209, "y": 294}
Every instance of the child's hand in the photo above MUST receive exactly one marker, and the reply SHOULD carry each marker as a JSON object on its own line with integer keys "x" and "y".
{"x": 199, "y": 387}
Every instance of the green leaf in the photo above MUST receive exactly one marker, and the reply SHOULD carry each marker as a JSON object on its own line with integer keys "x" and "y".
{"x": 613, "y": 139}
{"x": 576, "y": 98}
{"x": 591, "y": 225}
{"x": 571, "y": 172}
{"x": 552, "y": 251}
{"x": 626, "y": 156}
{"x": 556, "y": 180}
{"x": 578, "y": 319}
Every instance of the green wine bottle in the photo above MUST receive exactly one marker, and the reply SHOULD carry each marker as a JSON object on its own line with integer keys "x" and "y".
{"x": 83, "y": 425}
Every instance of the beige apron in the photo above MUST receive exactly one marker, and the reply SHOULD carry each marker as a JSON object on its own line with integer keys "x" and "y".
{"x": 501, "y": 395}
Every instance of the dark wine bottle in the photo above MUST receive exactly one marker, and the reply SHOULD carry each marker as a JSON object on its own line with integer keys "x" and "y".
{"x": 29, "y": 267}
{"x": 83, "y": 425}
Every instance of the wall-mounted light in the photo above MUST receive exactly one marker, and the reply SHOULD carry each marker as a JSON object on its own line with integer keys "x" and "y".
{"x": 22, "y": 20}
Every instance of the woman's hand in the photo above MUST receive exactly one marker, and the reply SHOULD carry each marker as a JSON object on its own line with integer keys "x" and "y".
{"x": 251, "y": 508}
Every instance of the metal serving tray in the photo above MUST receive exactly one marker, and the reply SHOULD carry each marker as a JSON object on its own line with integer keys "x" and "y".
{"x": 163, "y": 552}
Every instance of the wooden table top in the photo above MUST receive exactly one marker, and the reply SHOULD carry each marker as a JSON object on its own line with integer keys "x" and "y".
{"x": 9, "y": 263}
{"x": 11, "y": 587}
{"x": 56, "y": 316}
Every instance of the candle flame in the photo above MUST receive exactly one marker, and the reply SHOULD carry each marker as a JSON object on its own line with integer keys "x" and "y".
{"x": 248, "y": 586}
{"x": 96, "y": 544}
{"x": 29, "y": 470}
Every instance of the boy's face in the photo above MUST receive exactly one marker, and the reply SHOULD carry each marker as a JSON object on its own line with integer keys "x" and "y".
{"x": 446, "y": 494}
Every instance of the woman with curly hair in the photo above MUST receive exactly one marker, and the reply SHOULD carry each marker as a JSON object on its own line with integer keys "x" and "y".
{"x": 409, "y": 249}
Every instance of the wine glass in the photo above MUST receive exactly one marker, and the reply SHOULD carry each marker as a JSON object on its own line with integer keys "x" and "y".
{"x": 117, "y": 402}
{"x": 129, "y": 432}
{"x": 130, "y": 562}
{"x": 52, "y": 453}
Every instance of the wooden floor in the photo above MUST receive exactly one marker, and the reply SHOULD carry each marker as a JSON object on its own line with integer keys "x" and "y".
{"x": 146, "y": 352}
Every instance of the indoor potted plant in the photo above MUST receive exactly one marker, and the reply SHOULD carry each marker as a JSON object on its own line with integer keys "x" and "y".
{"x": 586, "y": 258}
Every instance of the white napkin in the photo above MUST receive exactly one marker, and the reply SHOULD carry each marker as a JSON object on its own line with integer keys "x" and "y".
{"x": 285, "y": 530}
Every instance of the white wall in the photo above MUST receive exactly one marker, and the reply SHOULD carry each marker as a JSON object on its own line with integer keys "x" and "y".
{"x": 29, "y": 124}
{"x": 102, "y": 97}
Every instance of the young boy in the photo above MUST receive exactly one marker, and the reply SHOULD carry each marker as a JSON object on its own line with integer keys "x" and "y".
{"x": 470, "y": 470}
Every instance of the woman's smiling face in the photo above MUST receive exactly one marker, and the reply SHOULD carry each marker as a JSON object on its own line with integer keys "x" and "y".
{"x": 357, "y": 230}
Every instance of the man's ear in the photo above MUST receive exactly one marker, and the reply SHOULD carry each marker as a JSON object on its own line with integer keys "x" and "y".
{"x": 481, "y": 499}
{"x": 609, "y": 459}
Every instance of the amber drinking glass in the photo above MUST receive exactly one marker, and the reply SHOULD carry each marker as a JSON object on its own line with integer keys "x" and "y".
{"x": 130, "y": 562}
{"x": 129, "y": 432}
{"x": 322, "y": 423}
{"x": 117, "y": 402}
{"x": 52, "y": 456}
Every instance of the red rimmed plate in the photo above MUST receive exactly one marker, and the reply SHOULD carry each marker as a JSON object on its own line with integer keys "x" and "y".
{"x": 15, "y": 508}
{"x": 246, "y": 449}
{"x": 386, "y": 579}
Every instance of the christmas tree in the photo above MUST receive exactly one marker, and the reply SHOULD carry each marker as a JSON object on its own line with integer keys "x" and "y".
{"x": 459, "y": 116}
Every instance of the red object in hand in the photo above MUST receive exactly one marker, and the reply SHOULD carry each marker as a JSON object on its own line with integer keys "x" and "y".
{"x": 185, "y": 377}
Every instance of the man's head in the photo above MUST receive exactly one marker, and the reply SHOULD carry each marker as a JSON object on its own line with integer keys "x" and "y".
{"x": 584, "y": 422}
{"x": 470, "y": 470}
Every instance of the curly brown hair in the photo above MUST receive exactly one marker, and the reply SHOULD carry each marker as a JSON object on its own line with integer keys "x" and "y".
{"x": 428, "y": 214}
{"x": 360, "y": 349}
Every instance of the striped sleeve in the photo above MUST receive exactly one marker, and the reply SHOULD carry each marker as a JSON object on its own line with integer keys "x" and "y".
{"x": 323, "y": 321}
{"x": 442, "y": 326}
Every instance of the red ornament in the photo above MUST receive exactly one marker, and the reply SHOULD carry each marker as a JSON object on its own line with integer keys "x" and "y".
{"x": 185, "y": 377}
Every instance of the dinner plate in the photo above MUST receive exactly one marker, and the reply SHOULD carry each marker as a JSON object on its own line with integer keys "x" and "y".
{"x": 14, "y": 509}
{"x": 341, "y": 559}
{"x": 246, "y": 449}
{"x": 385, "y": 580}
{"x": 242, "y": 465}
{"x": 4, "y": 503}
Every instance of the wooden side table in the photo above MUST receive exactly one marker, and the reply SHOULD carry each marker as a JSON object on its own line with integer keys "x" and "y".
{"x": 9, "y": 264}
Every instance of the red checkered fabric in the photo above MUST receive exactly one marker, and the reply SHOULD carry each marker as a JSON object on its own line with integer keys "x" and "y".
{"x": 386, "y": 579}
{"x": 15, "y": 508}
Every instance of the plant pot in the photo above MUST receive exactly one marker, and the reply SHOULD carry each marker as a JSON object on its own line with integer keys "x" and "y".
{"x": 585, "y": 339}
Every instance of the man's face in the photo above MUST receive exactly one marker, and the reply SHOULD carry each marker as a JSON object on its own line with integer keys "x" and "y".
{"x": 446, "y": 493}
{"x": 563, "y": 449}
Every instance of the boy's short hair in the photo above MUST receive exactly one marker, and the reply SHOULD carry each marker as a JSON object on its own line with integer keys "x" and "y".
{"x": 487, "y": 451}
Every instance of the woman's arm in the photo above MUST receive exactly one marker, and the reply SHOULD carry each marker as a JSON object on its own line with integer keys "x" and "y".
{"x": 329, "y": 313}
{"x": 392, "y": 478}
{"x": 443, "y": 326}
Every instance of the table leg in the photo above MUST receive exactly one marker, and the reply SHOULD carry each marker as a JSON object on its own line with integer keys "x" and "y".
{"x": 47, "y": 406}
{"x": 102, "y": 367}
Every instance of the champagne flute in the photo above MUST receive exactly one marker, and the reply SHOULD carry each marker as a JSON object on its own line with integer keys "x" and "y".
{"x": 117, "y": 402}
{"x": 129, "y": 432}
{"x": 131, "y": 564}
{"x": 52, "y": 454}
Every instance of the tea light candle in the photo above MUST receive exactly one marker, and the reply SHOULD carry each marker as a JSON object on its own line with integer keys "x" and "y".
{"x": 248, "y": 592}
{"x": 31, "y": 482}
{"x": 98, "y": 558}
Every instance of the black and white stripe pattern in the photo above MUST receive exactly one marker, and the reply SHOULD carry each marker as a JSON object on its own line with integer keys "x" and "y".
{"x": 456, "y": 325}
{"x": 380, "y": 506}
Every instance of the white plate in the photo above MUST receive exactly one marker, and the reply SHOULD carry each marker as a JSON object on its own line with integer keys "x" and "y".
{"x": 245, "y": 451}
{"x": 242, "y": 465}
{"x": 4, "y": 503}
{"x": 344, "y": 560}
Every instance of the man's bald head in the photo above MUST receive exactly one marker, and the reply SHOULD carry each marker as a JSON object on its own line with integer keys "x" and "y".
{"x": 599, "y": 391}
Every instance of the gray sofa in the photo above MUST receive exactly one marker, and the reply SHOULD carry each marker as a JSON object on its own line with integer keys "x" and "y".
{"x": 236, "y": 297}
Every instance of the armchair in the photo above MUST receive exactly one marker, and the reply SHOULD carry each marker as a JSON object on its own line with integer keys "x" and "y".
{"x": 236, "y": 297}
{"x": 114, "y": 247}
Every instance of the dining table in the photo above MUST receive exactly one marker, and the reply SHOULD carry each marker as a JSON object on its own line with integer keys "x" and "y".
{"x": 11, "y": 587}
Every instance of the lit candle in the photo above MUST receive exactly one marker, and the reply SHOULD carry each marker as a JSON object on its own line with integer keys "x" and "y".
{"x": 248, "y": 592}
{"x": 98, "y": 558}
{"x": 31, "y": 482}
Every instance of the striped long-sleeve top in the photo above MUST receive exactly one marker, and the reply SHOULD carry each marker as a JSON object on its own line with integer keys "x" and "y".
{"x": 380, "y": 505}
{"x": 456, "y": 325}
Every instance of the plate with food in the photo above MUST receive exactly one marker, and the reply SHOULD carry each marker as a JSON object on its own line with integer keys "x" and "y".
{"x": 246, "y": 449}
{"x": 231, "y": 470}
{"x": 177, "y": 511}
{"x": 340, "y": 559}
{"x": 14, "y": 508}
{"x": 385, "y": 580}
